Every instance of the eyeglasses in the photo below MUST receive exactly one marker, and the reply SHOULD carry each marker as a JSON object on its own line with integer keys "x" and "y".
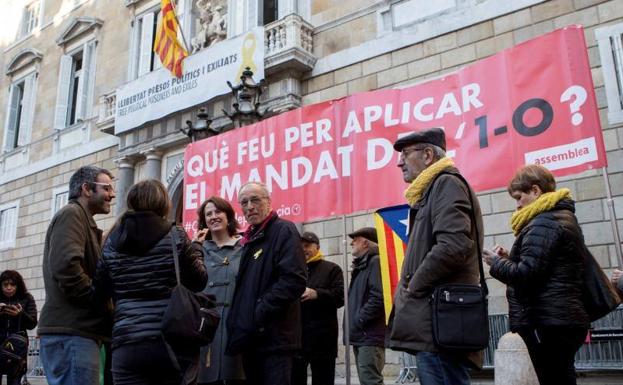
{"x": 405, "y": 152}
{"x": 107, "y": 186}
{"x": 254, "y": 200}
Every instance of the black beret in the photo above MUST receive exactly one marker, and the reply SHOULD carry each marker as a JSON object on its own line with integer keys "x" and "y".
{"x": 310, "y": 237}
{"x": 368, "y": 233}
{"x": 434, "y": 136}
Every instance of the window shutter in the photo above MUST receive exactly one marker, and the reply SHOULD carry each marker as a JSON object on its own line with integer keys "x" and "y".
{"x": 62, "y": 94}
{"x": 11, "y": 117}
{"x": 147, "y": 42}
{"x": 135, "y": 31}
{"x": 85, "y": 84}
{"x": 28, "y": 109}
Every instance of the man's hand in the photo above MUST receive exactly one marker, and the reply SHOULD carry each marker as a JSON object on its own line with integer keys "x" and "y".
{"x": 309, "y": 294}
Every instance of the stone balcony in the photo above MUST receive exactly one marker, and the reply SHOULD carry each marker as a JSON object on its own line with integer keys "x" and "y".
{"x": 288, "y": 45}
{"x": 106, "y": 115}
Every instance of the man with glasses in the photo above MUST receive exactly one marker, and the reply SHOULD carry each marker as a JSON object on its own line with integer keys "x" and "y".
{"x": 264, "y": 323}
{"x": 442, "y": 249}
{"x": 74, "y": 320}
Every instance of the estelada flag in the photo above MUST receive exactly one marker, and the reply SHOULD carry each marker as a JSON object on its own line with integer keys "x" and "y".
{"x": 392, "y": 230}
{"x": 167, "y": 45}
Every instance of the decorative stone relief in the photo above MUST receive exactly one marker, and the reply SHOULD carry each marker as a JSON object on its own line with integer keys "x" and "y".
{"x": 212, "y": 25}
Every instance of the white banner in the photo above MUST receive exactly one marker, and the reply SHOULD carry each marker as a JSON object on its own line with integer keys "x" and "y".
{"x": 158, "y": 93}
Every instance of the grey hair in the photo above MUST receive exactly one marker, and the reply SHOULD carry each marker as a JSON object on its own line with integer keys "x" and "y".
{"x": 85, "y": 174}
{"x": 438, "y": 152}
{"x": 258, "y": 184}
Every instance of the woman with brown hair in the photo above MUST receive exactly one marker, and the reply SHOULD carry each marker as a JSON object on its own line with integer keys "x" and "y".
{"x": 218, "y": 230}
{"x": 137, "y": 269}
{"x": 544, "y": 274}
{"x": 18, "y": 313}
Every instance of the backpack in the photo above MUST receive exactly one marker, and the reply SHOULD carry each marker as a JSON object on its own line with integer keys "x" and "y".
{"x": 13, "y": 353}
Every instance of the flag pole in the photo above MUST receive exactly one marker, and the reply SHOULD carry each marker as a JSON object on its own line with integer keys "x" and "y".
{"x": 346, "y": 317}
{"x": 613, "y": 220}
{"x": 181, "y": 27}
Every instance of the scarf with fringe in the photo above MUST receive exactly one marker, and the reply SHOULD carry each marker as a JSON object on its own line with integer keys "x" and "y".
{"x": 544, "y": 202}
{"x": 414, "y": 192}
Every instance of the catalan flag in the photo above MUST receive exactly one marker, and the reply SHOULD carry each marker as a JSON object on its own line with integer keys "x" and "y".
{"x": 391, "y": 225}
{"x": 167, "y": 46}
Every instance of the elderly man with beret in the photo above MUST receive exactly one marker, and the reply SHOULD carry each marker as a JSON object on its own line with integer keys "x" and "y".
{"x": 365, "y": 307}
{"x": 442, "y": 249}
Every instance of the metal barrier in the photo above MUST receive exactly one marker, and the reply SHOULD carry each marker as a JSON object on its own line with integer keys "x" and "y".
{"x": 35, "y": 368}
{"x": 596, "y": 355}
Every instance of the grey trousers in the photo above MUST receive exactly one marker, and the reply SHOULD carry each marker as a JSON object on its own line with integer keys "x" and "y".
{"x": 370, "y": 361}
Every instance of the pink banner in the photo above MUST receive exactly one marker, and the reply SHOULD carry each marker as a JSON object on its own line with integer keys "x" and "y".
{"x": 533, "y": 103}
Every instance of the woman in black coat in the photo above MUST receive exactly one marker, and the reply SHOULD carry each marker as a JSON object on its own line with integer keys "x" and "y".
{"x": 544, "y": 273}
{"x": 18, "y": 313}
{"x": 137, "y": 269}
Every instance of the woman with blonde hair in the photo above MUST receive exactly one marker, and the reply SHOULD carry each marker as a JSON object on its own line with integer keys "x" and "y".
{"x": 218, "y": 230}
{"x": 137, "y": 269}
{"x": 544, "y": 274}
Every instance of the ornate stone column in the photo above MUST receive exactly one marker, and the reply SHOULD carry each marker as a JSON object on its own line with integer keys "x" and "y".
{"x": 153, "y": 164}
{"x": 125, "y": 179}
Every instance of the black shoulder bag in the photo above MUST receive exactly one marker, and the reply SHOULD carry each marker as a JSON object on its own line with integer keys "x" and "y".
{"x": 460, "y": 311}
{"x": 14, "y": 351}
{"x": 190, "y": 319}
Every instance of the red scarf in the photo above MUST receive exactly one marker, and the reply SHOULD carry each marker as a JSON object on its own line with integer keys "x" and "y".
{"x": 253, "y": 229}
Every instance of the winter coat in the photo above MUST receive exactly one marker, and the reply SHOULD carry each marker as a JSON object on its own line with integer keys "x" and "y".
{"x": 544, "y": 271}
{"x": 222, "y": 265}
{"x": 138, "y": 270}
{"x": 319, "y": 315}
{"x": 442, "y": 249}
{"x": 71, "y": 252}
{"x": 366, "y": 311}
{"x": 266, "y": 311}
{"x": 26, "y": 320}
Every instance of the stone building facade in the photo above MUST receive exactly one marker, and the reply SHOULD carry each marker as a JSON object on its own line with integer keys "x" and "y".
{"x": 63, "y": 61}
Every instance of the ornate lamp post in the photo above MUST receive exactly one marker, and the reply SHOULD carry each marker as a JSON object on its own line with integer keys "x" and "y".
{"x": 200, "y": 129}
{"x": 247, "y": 94}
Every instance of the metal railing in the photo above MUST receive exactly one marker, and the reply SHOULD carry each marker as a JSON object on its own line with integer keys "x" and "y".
{"x": 595, "y": 355}
{"x": 35, "y": 368}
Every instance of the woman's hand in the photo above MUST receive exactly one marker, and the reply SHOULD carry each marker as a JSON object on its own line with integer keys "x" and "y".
{"x": 500, "y": 251}
{"x": 616, "y": 276}
{"x": 13, "y": 310}
{"x": 201, "y": 235}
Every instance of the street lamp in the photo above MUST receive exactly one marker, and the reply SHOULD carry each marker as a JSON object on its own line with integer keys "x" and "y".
{"x": 247, "y": 94}
{"x": 201, "y": 128}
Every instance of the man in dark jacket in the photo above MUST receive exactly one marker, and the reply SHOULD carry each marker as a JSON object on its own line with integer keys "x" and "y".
{"x": 365, "y": 307}
{"x": 442, "y": 249}
{"x": 74, "y": 321}
{"x": 323, "y": 295}
{"x": 264, "y": 324}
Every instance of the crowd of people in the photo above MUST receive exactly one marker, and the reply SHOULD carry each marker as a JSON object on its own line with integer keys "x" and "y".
{"x": 277, "y": 295}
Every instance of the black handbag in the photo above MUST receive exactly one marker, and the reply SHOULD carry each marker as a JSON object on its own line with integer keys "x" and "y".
{"x": 600, "y": 296}
{"x": 460, "y": 311}
{"x": 190, "y": 319}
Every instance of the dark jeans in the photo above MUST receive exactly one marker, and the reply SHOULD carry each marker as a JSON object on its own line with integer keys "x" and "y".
{"x": 370, "y": 361}
{"x": 441, "y": 369}
{"x": 144, "y": 363}
{"x": 267, "y": 368}
{"x": 224, "y": 382}
{"x": 322, "y": 368}
{"x": 552, "y": 351}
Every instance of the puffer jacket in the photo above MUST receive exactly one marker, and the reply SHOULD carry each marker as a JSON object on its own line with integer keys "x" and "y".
{"x": 544, "y": 271}
{"x": 26, "y": 320}
{"x": 137, "y": 269}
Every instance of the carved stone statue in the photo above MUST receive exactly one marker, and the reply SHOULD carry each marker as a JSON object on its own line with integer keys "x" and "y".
{"x": 212, "y": 25}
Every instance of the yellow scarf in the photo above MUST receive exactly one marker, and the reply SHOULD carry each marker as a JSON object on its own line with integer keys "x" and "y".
{"x": 414, "y": 192}
{"x": 316, "y": 257}
{"x": 544, "y": 202}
